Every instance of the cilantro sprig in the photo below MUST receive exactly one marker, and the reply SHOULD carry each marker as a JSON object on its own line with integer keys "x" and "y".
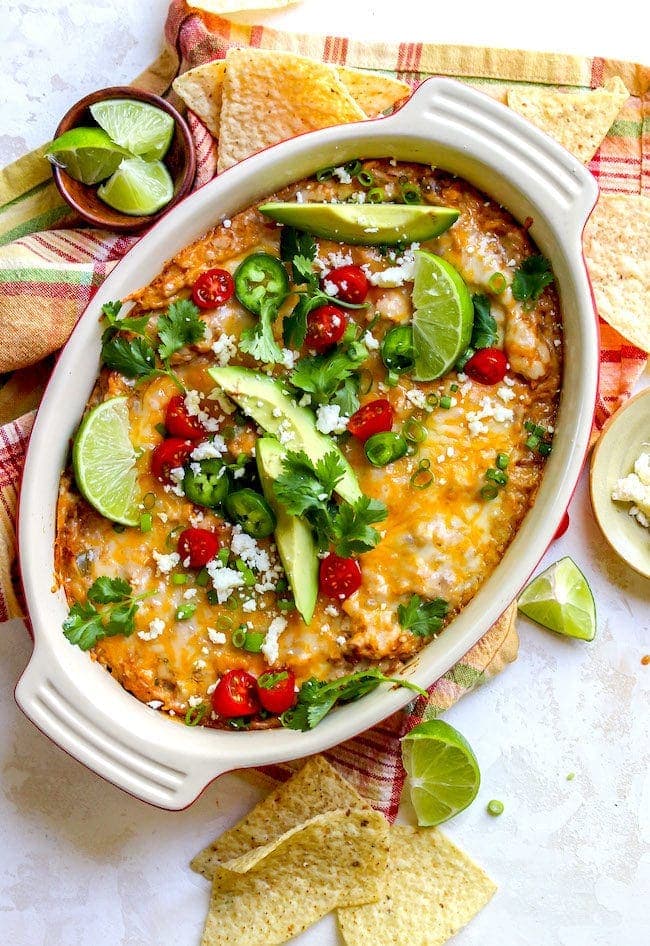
{"x": 484, "y": 329}
{"x": 259, "y": 341}
{"x": 139, "y": 357}
{"x": 305, "y": 489}
{"x": 316, "y": 698}
{"x": 87, "y": 624}
{"x": 422, "y": 618}
{"x": 332, "y": 378}
{"x": 531, "y": 278}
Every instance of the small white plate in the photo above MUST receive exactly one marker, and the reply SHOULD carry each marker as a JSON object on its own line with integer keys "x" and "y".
{"x": 623, "y": 438}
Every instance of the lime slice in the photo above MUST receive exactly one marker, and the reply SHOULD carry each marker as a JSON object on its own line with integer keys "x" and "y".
{"x": 142, "y": 128}
{"x": 367, "y": 224}
{"x": 87, "y": 154}
{"x": 103, "y": 460}
{"x": 138, "y": 187}
{"x": 561, "y": 600}
{"x": 443, "y": 316}
{"x": 443, "y": 771}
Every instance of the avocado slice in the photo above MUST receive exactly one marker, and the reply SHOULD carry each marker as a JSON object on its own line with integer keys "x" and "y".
{"x": 265, "y": 400}
{"x": 293, "y": 535}
{"x": 365, "y": 224}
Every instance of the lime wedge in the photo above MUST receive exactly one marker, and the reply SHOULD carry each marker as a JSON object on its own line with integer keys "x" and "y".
{"x": 138, "y": 187}
{"x": 367, "y": 224}
{"x": 561, "y": 600}
{"x": 443, "y": 772}
{"x": 87, "y": 154}
{"x": 103, "y": 460}
{"x": 142, "y": 128}
{"x": 443, "y": 316}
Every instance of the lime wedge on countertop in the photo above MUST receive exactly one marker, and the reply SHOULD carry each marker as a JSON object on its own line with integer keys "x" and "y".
{"x": 561, "y": 600}
{"x": 86, "y": 154}
{"x": 103, "y": 460}
{"x": 138, "y": 187}
{"x": 444, "y": 776}
{"x": 368, "y": 224}
{"x": 141, "y": 128}
{"x": 442, "y": 318}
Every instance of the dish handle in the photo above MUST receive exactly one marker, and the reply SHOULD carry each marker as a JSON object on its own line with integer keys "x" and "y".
{"x": 471, "y": 127}
{"x": 143, "y": 763}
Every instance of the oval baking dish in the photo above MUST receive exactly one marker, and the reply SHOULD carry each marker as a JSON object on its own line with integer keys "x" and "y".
{"x": 71, "y": 698}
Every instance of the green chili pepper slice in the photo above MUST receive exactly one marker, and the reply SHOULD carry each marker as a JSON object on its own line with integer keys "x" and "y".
{"x": 210, "y": 486}
{"x": 397, "y": 348}
{"x": 382, "y": 449}
{"x": 252, "y": 512}
{"x": 260, "y": 279}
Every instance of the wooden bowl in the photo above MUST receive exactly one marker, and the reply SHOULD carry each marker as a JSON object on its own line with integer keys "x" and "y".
{"x": 180, "y": 161}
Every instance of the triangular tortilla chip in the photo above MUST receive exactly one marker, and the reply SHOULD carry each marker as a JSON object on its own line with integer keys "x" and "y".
{"x": 316, "y": 788}
{"x": 201, "y": 90}
{"x": 372, "y": 92}
{"x": 270, "y": 96}
{"x": 432, "y": 889}
{"x": 617, "y": 249}
{"x": 578, "y": 120}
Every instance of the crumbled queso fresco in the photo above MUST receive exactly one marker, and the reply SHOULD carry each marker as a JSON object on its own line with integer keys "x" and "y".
{"x": 635, "y": 488}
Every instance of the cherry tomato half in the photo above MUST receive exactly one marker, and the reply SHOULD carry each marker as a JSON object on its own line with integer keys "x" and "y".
{"x": 277, "y": 695}
{"x": 169, "y": 455}
{"x": 339, "y": 577}
{"x": 181, "y": 424}
{"x": 199, "y": 545}
{"x": 325, "y": 327}
{"x": 376, "y": 417}
{"x": 236, "y": 694}
{"x": 212, "y": 288}
{"x": 487, "y": 366}
{"x": 351, "y": 282}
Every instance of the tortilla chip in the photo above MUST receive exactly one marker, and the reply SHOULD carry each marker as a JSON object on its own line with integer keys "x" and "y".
{"x": 617, "y": 249}
{"x": 201, "y": 90}
{"x": 578, "y": 120}
{"x": 335, "y": 859}
{"x": 315, "y": 789}
{"x": 372, "y": 92}
{"x": 270, "y": 96}
{"x": 430, "y": 885}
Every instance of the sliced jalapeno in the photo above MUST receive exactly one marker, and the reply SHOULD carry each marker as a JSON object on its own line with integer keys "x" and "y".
{"x": 260, "y": 279}
{"x": 208, "y": 487}
{"x": 397, "y": 348}
{"x": 252, "y": 512}
{"x": 382, "y": 449}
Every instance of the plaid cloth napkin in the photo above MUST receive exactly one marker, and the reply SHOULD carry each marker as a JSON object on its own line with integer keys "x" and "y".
{"x": 50, "y": 268}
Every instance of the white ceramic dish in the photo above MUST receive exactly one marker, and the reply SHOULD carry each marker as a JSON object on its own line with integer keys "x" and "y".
{"x": 78, "y": 704}
{"x": 623, "y": 438}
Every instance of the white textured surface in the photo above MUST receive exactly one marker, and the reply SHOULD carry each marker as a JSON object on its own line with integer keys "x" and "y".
{"x": 83, "y": 863}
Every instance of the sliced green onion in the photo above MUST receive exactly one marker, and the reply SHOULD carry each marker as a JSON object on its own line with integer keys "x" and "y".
{"x": 228, "y": 432}
{"x": 496, "y": 476}
{"x": 146, "y": 522}
{"x": 162, "y": 430}
{"x": 532, "y": 442}
{"x": 185, "y": 611}
{"x": 282, "y": 585}
{"x": 366, "y": 381}
{"x": 453, "y": 388}
{"x": 286, "y": 604}
{"x": 238, "y": 722}
{"x": 118, "y": 527}
{"x": 414, "y": 430}
{"x": 149, "y": 500}
{"x": 502, "y": 461}
{"x": 223, "y": 555}
{"x": 212, "y": 596}
{"x": 382, "y": 449}
{"x": 324, "y": 174}
{"x": 224, "y": 623}
{"x": 445, "y": 402}
{"x": 268, "y": 680}
{"x": 171, "y": 539}
{"x": 422, "y": 478}
{"x": 433, "y": 400}
{"x": 529, "y": 425}
{"x": 233, "y": 603}
{"x": 376, "y": 195}
{"x": 392, "y": 378}
{"x": 178, "y": 578}
{"x": 411, "y": 194}
{"x": 353, "y": 167}
{"x": 253, "y": 642}
{"x": 495, "y": 808}
{"x": 195, "y": 714}
{"x": 497, "y": 283}
{"x": 246, "y": 572}
{"x": 203, "y": 578}
{"x": 365, "y": 178}
{"x": 544, "y": 449}
{"x": 489, "y": 492}
{"x": 239, "y": 636}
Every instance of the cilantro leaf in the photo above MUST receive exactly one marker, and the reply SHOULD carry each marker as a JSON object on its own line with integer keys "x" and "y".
{"x": 180, "y": 326}
{"x": 105, "y": 590}
{"x": 531, "y": 278}
{"x": 299, "y": 249}
{"x": 259, "y": 341}
{"x": 83, "y": 626}
{"x": 294, "y": 326}
{"x": 330, "y": 469}
{"x": 347, "y": 396}
{"x": 316, "y": 698}
{"x": 484, "y": 331}
{"x": 322, "y": 375}
{"x": 134, "y": 358}
{"x": 121, "y": 619}
{"x": 111, "y": 311}
{"x": 351, "y": 528}
{"x": 422, "y": 618}
{"x": 299, "y": 487}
